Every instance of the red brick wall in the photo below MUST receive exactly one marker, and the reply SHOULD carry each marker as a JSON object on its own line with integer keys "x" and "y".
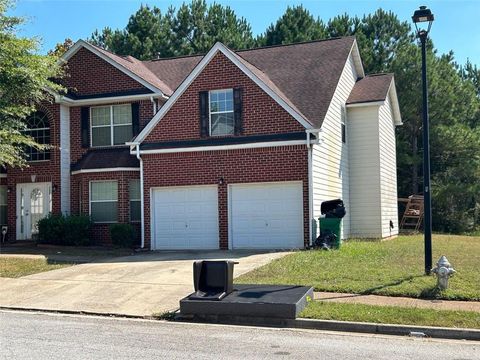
{"x": 234, "y": 166}
{"x": 45, "y": 171}
{"x": 261, "y": 114}
{"x": 88, "y": 74}
{"x": 76, "y": 150}
{"x": 80, "y": 195}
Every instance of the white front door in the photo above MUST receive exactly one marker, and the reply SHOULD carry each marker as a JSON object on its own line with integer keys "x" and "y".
{"x": 185, "y": 218}
{"x": 34, "y": 202}
{"x": 266, "y": 216}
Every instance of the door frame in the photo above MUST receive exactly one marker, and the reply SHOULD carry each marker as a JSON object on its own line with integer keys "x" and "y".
{"x": 152, "y": 210}
{"x": 27, "y": 187}
{"x": 229, "y": 201}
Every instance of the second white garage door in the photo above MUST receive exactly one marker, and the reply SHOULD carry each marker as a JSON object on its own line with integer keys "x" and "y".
{"x": 185, "y": 218}
{"x": 266, "y": 216}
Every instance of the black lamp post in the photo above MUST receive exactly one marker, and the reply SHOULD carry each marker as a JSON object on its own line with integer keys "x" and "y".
{"x": 424, "y": 15}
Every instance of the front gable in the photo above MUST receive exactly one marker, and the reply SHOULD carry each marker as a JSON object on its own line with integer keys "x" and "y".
{"x": 262, "y": 114}
{"x": 88, "y": 74}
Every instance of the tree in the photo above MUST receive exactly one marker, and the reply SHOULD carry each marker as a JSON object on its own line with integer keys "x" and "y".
{"x": 24, "y": 78}
{"x": 61, "y": 48}
{"x": 295, "y": 25}
{"x": 193, "y": 29}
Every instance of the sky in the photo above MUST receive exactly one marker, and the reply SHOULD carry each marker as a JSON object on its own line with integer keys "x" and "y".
{"x": 456, "y": 26}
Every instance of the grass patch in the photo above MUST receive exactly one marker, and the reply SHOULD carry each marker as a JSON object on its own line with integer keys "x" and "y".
{"x": 167, "y": 315}
{"x": 391, "y": 315}
{"x": 13, "y": 267}
{"x": 392, "y": 267}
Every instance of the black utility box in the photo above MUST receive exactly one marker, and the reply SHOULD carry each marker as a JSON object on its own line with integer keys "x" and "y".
{"x": 333, "y": 209}
{"x": 212, "y": 280}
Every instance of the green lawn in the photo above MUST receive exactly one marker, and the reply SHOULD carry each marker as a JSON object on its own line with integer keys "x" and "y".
{"x": 393, "y": 267}
{"x": 13, "y": 267}
{"x": 391, "y": 315}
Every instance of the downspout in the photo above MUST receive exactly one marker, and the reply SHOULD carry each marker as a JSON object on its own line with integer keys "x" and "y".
{"x": 310, "y": 190}
{"x": 142, "y": 208}
{"x": 154, "y": 102}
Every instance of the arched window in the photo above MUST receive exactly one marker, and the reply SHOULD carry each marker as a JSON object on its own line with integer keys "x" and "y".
{"x": 38, "y": 127}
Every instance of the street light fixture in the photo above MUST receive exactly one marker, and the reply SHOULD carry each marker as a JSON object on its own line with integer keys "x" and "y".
{"x": 420, "y": 17}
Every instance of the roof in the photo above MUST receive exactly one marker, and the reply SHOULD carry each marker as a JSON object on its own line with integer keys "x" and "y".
{"x": 370, "y": 89}
{"x": 106, "y": 158}
{"x": 291, "y": 71}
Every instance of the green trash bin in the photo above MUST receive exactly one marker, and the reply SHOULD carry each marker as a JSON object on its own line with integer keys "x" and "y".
{"x": 334, "y": 225}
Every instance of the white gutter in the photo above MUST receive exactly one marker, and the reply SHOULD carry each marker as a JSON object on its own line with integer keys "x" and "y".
{"x": 142, "y": 208}
{"x": 106, "y": 100}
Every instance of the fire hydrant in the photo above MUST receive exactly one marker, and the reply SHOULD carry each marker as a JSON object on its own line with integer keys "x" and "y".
{"x": 443, "y": 270}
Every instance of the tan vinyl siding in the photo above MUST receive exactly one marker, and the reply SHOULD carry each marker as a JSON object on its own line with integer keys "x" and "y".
{"x": 364, "y": 157}
{"x": 330, "y": 158}
{"x": 388, "y": 170}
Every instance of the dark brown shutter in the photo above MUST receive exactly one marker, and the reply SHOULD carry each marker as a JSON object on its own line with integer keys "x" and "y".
{"x": 135, "y": 119}
{"x": 237, "y": 108}
{"x": 85, "y": 124}
{"x": 204, "y": 108}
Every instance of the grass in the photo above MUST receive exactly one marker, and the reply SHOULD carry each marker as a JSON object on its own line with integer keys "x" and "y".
{"x": 14, "y": 267}
{"x": 391, "y": 315}
{"x": 393, "y": 267}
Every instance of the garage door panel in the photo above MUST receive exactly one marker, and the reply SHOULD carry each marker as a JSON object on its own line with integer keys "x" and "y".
{"x": 186, "y": 218}
{"x": 267, "y": 215}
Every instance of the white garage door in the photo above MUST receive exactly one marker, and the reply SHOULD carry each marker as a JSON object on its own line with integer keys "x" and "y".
{"x": 185, "y": 218}
{"x": 266, "y": 216}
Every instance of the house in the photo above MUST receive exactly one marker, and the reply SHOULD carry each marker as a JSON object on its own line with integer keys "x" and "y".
{"x": 232, "y": 149}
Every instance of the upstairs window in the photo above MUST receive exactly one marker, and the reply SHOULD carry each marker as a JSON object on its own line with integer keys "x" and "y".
{"x": 343, "y": 114}
{"x": 222, "y": 119}
{"x": 38, "y": 127}
{"x": 111, "y": 125}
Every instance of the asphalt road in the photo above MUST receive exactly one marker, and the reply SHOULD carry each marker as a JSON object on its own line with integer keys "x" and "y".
{"x": 26, "y": 335}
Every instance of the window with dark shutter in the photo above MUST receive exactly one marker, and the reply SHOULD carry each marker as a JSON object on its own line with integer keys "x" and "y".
{"x": 135, "y": 119}
{"x": 237, "y": 106}
{"x": 85, "y": 125}
{"x": 203, "y": 100}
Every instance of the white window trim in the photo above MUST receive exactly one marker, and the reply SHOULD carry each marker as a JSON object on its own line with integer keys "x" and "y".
{"x": 218, "y": 112}
{"x": 111, "y": 125}
{"x": 100, "y": 201}
{"x": 130, "y": 200}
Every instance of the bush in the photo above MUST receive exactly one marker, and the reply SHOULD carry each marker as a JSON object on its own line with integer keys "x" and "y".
{"x": 76, "y": 230}
{"x": 51, "y": 229}
{"x": 58, "y": 229}
{"x": 122, "y": 235}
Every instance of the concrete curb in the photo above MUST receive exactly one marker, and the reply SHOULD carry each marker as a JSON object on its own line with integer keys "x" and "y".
{"x": 343, "y": 326}
{"x": 329, "y": 325}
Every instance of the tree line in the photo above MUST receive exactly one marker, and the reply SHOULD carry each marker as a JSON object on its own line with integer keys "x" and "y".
{"x": 387, "y": 44}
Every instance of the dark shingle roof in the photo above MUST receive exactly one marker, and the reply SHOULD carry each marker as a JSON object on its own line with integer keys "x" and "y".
{"x": 370, "y": 88}
{"x": 106, "y": 158}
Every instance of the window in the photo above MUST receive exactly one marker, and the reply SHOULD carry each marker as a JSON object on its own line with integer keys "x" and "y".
{"x": 3, "y": 205}
{"x": 222, "y": 120}
{"x": 38, "y": 127}
{"x": 111, "y": 125}
{"x": 343, "y": 114}
{"x": 104, "y": 201}
{"x": 135, "y": 203}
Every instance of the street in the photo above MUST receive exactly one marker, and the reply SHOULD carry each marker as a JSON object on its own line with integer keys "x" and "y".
{"x": 25, "y": 335}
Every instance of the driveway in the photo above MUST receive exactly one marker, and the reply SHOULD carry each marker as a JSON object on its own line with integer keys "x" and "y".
{"x": 138, "y": 285}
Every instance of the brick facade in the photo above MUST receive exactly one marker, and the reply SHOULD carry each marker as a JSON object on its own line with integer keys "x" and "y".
{"x": 287, "y": 163}
{"x": 261, "y": 114}
{"x": 88, "y": 74}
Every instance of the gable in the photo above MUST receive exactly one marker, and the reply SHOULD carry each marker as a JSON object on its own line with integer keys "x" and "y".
{"x": 261, "y": 113}
{"x": 88, "y": 74}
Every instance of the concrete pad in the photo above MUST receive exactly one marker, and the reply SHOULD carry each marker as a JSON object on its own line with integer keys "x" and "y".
{"x": 137, "y": 285}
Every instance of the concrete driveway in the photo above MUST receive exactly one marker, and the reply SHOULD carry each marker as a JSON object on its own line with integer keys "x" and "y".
{"x": 138, "y": 285}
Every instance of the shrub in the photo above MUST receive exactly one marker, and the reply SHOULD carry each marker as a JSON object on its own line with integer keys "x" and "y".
{"x": 122, "y": 235}
{"x": 58, "y": 229}
{"x": 76, "y": 230}
{"x": 51, "y": 229}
